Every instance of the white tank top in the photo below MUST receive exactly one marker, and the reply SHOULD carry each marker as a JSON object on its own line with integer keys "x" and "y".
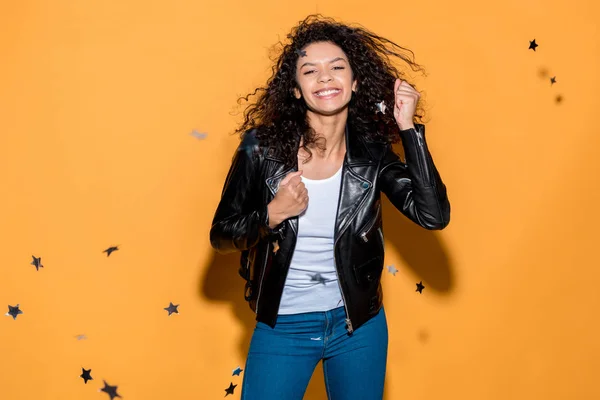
{"x": 311, "y": 283}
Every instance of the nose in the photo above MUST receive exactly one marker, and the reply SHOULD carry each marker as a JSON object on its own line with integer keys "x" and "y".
{"x": 325, "y": 77}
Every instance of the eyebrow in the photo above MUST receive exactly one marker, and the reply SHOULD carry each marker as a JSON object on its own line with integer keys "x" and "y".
{"x": 332, "y": 61}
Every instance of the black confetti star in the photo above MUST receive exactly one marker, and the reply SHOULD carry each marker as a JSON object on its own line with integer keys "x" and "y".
{"x": 301, "y": 53}
{"x": 552, "y": 80}
{"x": 229, "y": 390}
{"x": 110, "y": 250}
{"x": 237, "y": 371}
{"x": 532, "y": 45}
{"x": 37, "y": 263}
{"x": 13, "y": 311}
{"x": 110, "y": 390}
{"x": 559, "y": 98}
{"x": 317, "y": 278}
{"x": 420, "y": 287}
{"x": 86, "y": 375}
{"x": 172, "y": 308}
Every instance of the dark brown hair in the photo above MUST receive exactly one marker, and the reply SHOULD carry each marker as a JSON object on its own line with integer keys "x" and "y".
{"x": 280, "y": 118}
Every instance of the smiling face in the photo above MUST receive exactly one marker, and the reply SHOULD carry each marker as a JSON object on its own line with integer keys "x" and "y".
{"x": 325, "y": 78}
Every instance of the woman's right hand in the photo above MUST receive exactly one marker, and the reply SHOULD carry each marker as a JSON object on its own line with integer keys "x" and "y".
{"x": 290, "y": 200}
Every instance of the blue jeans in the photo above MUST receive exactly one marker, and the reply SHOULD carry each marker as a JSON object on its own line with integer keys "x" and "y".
{"x": 281, "y": 360}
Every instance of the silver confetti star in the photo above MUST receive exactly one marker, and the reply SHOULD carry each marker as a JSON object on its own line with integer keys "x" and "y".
{"x": 198, "y": 135}
{"x": 392, "y": 270}
{"x": 381, "y": 107}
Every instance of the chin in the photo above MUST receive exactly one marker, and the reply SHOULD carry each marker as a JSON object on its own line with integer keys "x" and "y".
{"x": 329, "y": 111}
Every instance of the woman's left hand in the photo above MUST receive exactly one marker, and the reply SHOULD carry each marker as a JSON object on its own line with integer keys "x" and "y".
{"x": 406, "y": 104}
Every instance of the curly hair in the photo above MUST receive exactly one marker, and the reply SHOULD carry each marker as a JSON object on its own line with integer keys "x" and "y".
{"x": 279, "y": 119}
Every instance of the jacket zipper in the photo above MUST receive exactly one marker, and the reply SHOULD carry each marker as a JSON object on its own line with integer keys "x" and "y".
{"x": 349, "y": 327}
{"x": 348, "y": 321}
{"x": 262, "y": 275}
{"x": 363, "y": 234}
{"x": 422, "y": 158}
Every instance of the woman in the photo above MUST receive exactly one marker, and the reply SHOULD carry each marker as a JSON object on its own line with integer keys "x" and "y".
{"x": 302, "y": 203}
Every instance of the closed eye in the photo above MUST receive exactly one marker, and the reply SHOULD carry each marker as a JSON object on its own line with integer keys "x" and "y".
{"x": 312, "y": 70}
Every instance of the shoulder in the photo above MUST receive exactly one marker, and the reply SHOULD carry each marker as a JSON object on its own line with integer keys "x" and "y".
{"x": 370, "y": 139}
{"x": 377, "y": 148}
{"x": 252, "y": 148}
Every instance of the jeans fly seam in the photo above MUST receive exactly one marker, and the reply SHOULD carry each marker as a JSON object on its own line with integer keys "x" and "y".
{"x": 325, "y": 336}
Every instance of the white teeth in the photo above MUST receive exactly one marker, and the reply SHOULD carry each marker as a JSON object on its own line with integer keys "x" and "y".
{"x": 327, "y": 92}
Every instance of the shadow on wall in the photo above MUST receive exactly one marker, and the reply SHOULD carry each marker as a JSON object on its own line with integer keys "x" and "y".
{"x": 420, "y": 248}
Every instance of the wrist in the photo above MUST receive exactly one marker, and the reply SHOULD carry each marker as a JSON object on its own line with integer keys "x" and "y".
{"x": 406, "y": 126}
{"x": 276, "y": 216}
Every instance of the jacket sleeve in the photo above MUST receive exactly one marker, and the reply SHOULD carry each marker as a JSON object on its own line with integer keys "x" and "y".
{"x": 235, "y": 227}
{"x": 415, "y": 187}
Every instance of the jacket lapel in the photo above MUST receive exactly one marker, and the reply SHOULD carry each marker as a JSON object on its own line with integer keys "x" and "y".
{"x": 273, "y": 181}
{"x": 355, "y": 186}
{"x": 273, "y": 185}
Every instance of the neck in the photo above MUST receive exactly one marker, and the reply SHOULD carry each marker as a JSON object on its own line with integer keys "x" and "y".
{"x": 332, "y": 128}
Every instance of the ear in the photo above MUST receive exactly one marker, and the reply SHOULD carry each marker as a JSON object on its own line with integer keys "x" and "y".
{"x": 297, "y": 93}
{"x": 354, "y": 85}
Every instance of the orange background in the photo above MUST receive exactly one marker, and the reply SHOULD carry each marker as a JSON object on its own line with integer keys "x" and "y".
{"x": 97, "y": 103}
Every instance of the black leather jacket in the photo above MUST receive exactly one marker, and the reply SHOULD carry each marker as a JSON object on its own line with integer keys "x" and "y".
{"x": 241, "y": 220}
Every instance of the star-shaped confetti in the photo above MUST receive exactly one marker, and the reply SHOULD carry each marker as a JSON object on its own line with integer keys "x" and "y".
{"x": 420, "y": 287}
{"x": 37, "y": 263}
{"x": 532, "y": 45}
{"x": 301, "y": 53}
{"x": 392, "y": 270}
{"x": 317, "y": 278}
{"x": 381, "y": 107}
{"x": 198, "y": 135}
{"x": 110, "y": 390}
{"x": 13, "y": 311}
{"x": 552, "y": 80}
{"x": 230, "y": 389}
{"x": 559, "y": 98}
{"x": 110, "y": 250}
{"x": 86, "y": 375}
{"x": 172, "y": 308}
{"x": 81, "y": 337}
{"x": 237, "y": 371}
{"x": 275, "y": 246}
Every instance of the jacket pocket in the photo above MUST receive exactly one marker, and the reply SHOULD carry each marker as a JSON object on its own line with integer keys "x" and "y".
{"x": 369, "y": 271}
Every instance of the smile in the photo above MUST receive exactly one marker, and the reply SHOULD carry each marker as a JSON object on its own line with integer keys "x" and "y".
{"x": 327, "y": 94}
